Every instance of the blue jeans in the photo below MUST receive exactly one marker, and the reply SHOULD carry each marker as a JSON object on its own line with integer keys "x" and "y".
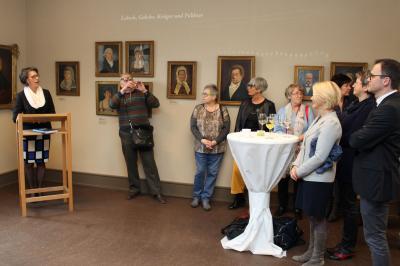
{"x": 206, "y": 174}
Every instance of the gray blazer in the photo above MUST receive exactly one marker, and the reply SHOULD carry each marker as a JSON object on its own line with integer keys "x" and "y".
{"x": 328, "y": 131}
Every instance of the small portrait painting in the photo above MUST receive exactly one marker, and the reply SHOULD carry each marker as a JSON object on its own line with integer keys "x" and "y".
{"x": 140, "y": 58}
{"x": 181, "y": 80}
{"x": 348, "y": 68}
{"x": 67, "y": 78}
{"x": 108, "y": 59}
{"x": 234, "y": 72}
{"x": 8, "y": 75}
{"x": 307, "y": 76}
{"x": 105, "y": 90}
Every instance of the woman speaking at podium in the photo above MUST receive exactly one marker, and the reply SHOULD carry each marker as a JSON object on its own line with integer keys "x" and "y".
{"x": 33, "y": 99}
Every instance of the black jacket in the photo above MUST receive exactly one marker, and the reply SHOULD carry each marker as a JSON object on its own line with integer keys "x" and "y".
{"x": 352, "y": 119}
{"x": 22, "y": 106}
{"x": 245, "y": 109}
{"x": 376, "y": 163}
{"x": 239, "y": 95}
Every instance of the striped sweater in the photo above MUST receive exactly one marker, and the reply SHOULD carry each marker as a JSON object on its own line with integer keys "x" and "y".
{"x": 133, "y": 106}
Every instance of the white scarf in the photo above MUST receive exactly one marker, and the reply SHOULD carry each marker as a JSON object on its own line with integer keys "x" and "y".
{"x": 36, "y": 100}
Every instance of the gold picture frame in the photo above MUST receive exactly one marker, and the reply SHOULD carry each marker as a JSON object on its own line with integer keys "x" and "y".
{"x": 139, "y": 58}
{"x": 67, "y": 78}
{"x": 306, "y": 77}
{"x": 105, "y": 89}
{"x": 108, "y": 59}
{"x": 182, "y": 80}
{"x": 348, "y": 68}
{"x": 230, "y": 67}
{"x": 8, "y": 75}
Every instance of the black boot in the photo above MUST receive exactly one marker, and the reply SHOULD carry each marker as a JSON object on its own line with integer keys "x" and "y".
{"x": 238, "y": 202}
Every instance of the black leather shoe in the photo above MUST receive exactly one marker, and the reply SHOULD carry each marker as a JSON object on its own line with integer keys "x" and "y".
{"x": 342, "y": 254}
{"x": 280, "y": 211}
{"x": 160, "y": 198}
{"x": 133, "y": 194}
{"x": 238, "y": 202}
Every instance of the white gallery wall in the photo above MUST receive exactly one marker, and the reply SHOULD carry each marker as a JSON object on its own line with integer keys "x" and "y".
{"x": 12, "y": 30}
{"x": 280, "y": 34}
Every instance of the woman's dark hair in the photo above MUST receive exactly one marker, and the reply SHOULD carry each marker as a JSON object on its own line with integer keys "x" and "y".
{"x": 341, "y": 79}
{"x": 23, "y": 76}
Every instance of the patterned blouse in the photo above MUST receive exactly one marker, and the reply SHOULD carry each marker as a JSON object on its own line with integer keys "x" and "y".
{"x": 210, "y": 125}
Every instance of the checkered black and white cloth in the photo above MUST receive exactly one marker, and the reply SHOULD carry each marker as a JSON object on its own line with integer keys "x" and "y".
{"x": 36, "y": 149}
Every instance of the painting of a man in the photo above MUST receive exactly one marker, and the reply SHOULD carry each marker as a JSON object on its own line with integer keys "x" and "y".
{"x": 306, "y": 77}
{"x": 236, "y": 89}
{"x": 110, "y": 63}
{"x": 108, "y": 59}
{"x": 234, "y": 72}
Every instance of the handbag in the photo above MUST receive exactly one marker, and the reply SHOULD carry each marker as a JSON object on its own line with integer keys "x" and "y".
{"x": 142, "y": 136}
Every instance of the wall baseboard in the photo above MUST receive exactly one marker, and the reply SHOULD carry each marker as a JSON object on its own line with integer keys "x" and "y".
{"x": 121, "y": 183}
{"x": 8, "y": 178}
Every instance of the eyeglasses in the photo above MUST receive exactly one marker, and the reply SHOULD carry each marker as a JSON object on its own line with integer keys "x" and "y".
{"x": 34, "y": 76}
{"x": 297, "y": 93}
{"x": 370, "y": 75}
{"x": 126, "y": 79}
{"x": 251, "y": 85}
{"x": 206, "y": 94}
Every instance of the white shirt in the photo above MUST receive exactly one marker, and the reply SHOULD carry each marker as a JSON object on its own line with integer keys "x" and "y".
{"x": 232, "y": 88}
{"x": 381, "y": 98}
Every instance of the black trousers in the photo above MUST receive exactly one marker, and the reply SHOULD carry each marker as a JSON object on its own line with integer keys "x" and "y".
{"x": 148, "y": 162}
{"x": 348, "y": 202}
{"x": 283, "y": 192}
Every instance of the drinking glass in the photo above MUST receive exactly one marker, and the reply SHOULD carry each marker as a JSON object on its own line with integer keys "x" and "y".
{"x": 262, "y": 120}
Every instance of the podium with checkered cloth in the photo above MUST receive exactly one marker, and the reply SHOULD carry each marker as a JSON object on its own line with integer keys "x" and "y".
{"x": 46, "y": 193}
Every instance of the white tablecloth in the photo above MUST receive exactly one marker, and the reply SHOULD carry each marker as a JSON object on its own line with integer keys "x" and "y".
{"x": 262, "y": 161}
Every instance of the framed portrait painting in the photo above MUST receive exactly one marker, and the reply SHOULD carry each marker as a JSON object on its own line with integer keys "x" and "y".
{"x": 182, "y": 80}
{"x": 8, "y": 75}
{"x": 234, "y": 72}
{"x": 140, "y": 58}
{"x": 108, "y": 59}
{"x": 348, "y": 68}
{"x": 105, "y": 90}
{"x": 67, "y": 78}
{"x": 307, "y": 76}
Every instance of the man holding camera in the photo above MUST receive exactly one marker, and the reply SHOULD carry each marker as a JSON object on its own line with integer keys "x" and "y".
{"x": 132, "y": 102}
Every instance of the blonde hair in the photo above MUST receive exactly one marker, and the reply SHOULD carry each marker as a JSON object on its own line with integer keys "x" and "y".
{"x": 328, "y": 93}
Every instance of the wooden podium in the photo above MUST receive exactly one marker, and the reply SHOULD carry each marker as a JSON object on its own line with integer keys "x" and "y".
{"x": 55, "y": 192}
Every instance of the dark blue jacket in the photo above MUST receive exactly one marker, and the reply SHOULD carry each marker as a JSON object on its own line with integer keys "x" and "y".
{"x": 352, "y": 119}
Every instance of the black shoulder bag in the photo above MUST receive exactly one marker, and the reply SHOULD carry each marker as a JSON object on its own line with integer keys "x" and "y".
{"x": 142, "y": 135}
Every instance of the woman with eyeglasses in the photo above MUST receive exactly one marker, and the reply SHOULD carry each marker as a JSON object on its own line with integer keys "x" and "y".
{"x": 33, "y": 99}
{"x": 132, "y": 102}
{"x": 248, "y": 118}
{"x": 352, "y": 119}
{"x": 210, "y": 124}
{"x": 300, "y": 117}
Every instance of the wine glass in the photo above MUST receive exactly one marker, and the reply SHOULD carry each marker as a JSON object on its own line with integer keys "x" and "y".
{"x": 280, "y": 121}
{"x": 270, "y": 123}
{"x": 287, "y": 123}
{"x": 262, "y": 119}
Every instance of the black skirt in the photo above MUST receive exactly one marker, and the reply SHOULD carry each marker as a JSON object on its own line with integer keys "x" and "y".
{"x": 313, "y": 198}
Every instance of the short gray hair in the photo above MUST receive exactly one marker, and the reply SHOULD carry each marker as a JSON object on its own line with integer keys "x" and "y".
{"x": 260, "y": 83}
{"x": 213, "y": 90}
